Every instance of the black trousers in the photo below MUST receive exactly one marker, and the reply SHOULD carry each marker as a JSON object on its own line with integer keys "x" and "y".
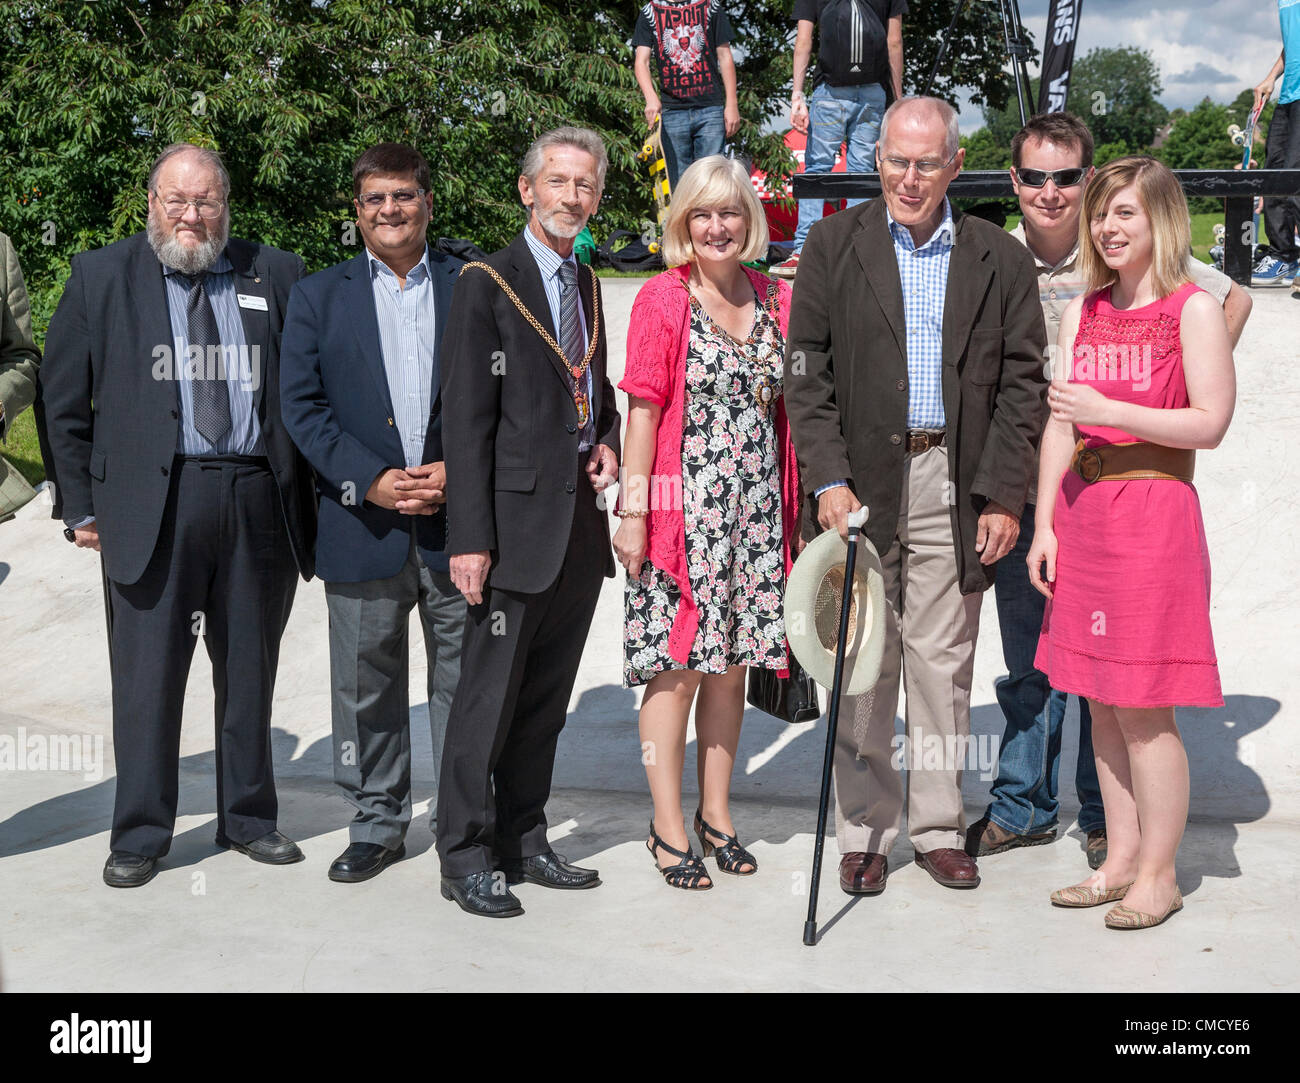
{"x": 519, "y": 660}
{"x": 1282, "y": 213}
{"x": 223, "y": 570}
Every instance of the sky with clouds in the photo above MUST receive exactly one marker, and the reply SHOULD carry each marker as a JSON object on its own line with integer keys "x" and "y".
{"x": 1202, "y": 47}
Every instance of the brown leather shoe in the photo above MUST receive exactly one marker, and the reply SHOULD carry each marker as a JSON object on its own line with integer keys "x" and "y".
{"x": 951, "y": 868}
{"x": 863, "y": 874}
{"x": 985, "y": 837}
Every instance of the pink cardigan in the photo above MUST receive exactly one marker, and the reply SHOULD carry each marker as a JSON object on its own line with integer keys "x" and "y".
{"x": 657, "y": 341}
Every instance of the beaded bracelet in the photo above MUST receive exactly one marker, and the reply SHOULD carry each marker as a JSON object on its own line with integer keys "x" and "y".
{"x": 625, "y": 513}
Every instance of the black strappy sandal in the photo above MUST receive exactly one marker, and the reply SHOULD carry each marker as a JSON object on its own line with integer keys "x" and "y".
{"x": 730, "y": 855}
{"x": 687, "y": 873}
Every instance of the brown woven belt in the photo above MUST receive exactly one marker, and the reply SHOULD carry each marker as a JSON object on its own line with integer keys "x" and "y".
{"x": 1124, "y": 462}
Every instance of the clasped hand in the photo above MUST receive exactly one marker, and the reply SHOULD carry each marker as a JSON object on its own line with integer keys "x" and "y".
{"x": 417, "y": 490}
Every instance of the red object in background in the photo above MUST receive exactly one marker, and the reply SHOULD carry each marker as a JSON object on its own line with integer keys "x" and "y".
{"x": 782, "y": 221}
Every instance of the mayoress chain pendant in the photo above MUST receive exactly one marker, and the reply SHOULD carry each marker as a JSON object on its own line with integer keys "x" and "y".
{"x": 764, "y": 394}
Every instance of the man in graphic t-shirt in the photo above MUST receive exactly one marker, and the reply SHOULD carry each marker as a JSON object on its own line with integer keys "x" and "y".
{"x": 859, "y": 72}
{"x": 691, "y": 44}
{"x": 1281, "y": 258}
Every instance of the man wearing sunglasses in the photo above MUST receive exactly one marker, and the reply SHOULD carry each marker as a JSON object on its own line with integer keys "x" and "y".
{"x": 1051, "y": 165}
{"x": 363, "y": 400}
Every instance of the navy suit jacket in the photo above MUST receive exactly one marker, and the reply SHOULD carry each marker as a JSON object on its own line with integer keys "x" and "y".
{"x": 337, "y": 408}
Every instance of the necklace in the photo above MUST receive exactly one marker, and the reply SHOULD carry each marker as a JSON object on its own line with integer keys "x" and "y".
{"x": 765, "y": 387}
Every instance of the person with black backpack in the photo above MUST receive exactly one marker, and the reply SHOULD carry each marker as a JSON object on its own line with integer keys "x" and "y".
{"x": 859, "y": 72}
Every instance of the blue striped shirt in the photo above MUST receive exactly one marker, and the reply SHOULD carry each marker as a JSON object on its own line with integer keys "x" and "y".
{"x": 548, "y": 262}
{"x": 406, "y": 337}
{"x": 244, "y": 371}
{"x": 924, "y": 274}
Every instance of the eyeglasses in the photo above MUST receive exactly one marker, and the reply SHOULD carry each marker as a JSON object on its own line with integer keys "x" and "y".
{"x": 403, "y": 197}
{"x": 925, "y": 168}
{"x": 1062, "y": 178}
{"x": 207, "y": 208}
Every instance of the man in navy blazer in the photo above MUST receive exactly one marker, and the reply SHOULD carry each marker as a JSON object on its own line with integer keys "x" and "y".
{"x": 362, "y": 400}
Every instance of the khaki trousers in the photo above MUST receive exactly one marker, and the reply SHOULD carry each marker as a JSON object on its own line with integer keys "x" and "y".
{"x": 929, "y": 638}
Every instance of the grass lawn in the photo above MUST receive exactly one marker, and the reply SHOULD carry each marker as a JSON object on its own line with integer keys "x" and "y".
{"x": 22, "y": 449}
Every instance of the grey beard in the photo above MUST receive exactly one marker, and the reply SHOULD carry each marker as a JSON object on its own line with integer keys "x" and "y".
{"x": 550, "y": 223}
{"x": 188, "y": 260}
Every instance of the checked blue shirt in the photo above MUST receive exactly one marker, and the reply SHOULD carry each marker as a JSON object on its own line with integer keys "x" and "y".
{"x": 924, "y": 274}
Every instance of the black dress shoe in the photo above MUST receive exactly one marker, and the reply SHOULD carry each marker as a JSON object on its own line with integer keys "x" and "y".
{"x": 362, "y": 860}
{"x": 271, "y": 849}
{"x": 550, "y": 870}
{"x": 128, "y": 870}
{"x": 483, "y": 893}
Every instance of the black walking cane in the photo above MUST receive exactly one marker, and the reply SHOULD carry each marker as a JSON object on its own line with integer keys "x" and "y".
{"x": 856, "y": 521}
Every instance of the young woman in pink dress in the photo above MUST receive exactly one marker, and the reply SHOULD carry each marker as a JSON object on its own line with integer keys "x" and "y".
{"x": 1118, "y": 523}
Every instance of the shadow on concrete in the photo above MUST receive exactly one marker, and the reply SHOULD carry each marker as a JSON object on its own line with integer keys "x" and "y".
{"x": 4, "y": 571}
{"x": 777, "y": 779}
{"x": 88, "y": 810}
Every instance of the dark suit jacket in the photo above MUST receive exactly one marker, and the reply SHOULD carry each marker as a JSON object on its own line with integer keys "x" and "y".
{"x": 114, "y": 461}
{"x": 511, "y": 428}
{"x": 338, "y": 409}
{"x": 846, "y": 373}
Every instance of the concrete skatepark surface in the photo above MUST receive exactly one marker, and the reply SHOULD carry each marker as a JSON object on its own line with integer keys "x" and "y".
{"x": 214, "y": 920}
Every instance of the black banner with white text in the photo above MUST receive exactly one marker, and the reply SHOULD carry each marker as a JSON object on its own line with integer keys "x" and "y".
{"x": 1058, "y": 54}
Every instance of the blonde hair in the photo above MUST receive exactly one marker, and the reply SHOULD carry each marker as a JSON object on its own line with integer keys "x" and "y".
{"x": 712, "y": 182}
{"x": 1166, "y": 207}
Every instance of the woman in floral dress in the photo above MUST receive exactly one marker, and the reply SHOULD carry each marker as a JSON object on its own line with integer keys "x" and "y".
{"x": 709, "y": 504}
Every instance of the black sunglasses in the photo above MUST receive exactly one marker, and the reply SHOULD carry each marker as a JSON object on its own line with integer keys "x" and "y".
{"x": 1062, "y": 178}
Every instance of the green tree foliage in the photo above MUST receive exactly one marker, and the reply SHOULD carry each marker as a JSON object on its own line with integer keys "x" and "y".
{"x": 1199, "y": 139}
{"x": 1115, "y": 90}
{"x": 1112, "y": 90}
{"x": 983, "y": 151}
{"x": 292, "y": 90}
{"x": 975, "y": 61}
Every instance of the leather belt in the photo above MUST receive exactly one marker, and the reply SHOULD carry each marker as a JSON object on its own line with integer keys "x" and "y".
{"x": 212, "y": 462}
{"x": 1126, "y": 462}
{"x": 919, "y": 440}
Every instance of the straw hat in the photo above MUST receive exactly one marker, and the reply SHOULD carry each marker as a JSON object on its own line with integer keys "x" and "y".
{"x": 813, "y": 597}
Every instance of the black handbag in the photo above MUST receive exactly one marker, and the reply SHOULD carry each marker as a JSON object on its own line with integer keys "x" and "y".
{"x": 791, "y": 699}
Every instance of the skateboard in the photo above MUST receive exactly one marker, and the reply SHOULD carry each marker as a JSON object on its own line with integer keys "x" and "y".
{"x": 652, "y": 153}
{"x": 1245, "y": 138}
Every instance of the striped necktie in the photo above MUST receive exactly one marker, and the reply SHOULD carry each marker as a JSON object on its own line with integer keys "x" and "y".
{"x": 572, "y": 341}
{"x": 211, "y": 396}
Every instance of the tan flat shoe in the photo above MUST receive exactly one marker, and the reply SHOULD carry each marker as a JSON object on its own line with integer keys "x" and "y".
{"x": 1125, "y": 917}
{"x": 1080, "y": 896}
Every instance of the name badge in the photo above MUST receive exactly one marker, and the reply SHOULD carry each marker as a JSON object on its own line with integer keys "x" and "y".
{"x": 249, "y": 301}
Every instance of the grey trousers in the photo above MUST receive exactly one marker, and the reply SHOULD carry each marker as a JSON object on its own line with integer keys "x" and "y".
{"x": 370, "y": 677}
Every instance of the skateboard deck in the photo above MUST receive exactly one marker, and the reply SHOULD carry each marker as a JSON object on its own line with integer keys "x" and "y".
{"x": 652, "y": 153}
{"x": 1245, "y": 139}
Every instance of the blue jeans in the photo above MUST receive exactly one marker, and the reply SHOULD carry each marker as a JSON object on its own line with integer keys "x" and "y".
{"x": 1024, "y": 793}
{"x": 837, "y": 114}
{"x": 689, "y": 135}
